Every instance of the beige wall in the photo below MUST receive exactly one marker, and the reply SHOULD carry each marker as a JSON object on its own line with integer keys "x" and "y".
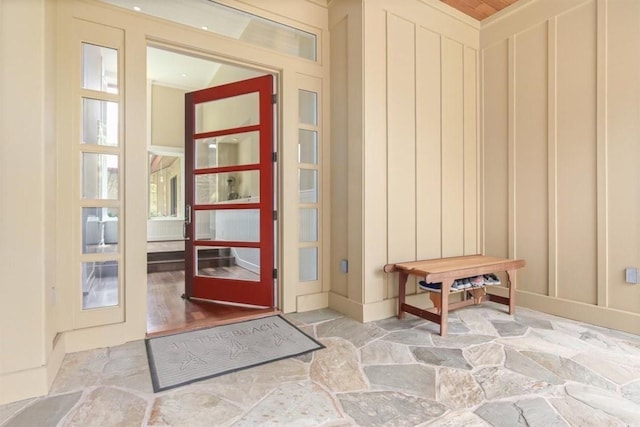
{"x": 167, "y": 116}
{"x": 561, "y": 102}
{"x": 405, "y": 182}
{"x": 28, "y": 214}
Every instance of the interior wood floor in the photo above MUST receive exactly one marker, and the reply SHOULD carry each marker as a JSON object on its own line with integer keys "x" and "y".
{"x": 168, "y": 313}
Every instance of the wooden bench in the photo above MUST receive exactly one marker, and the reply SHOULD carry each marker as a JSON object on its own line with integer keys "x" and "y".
{"x": 445, "y": 271}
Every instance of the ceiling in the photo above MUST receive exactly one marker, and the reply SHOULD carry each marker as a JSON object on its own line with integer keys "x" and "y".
{"x": 479, "y": 9}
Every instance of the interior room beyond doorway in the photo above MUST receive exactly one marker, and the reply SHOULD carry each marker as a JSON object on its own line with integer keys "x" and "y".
{"x": 171, "y": 74}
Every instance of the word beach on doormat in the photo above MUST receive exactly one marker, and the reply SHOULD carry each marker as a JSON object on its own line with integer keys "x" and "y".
{"x": 183, "y": 358}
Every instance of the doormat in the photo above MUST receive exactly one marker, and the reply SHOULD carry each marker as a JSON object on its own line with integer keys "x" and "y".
{"x": 187, "y": 357}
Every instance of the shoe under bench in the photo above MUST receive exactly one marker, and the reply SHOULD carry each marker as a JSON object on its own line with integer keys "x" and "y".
{"x": 445, "y": 271}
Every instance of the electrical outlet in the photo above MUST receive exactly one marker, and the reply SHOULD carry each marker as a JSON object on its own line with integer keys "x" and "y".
{"x": 631, "y": 275}
{"x": 344, "y": 266}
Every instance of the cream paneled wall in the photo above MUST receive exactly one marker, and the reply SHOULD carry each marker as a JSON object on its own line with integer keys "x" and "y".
{"x": 561, "y": 139}
{"x": 413, "y": 172}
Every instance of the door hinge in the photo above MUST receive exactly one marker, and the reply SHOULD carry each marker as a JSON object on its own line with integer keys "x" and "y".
{"x": 274, "y": 99}
{"x": 275, "y": 215}
{"x": 275, "y": 273}
{"x": 274, "y": 157}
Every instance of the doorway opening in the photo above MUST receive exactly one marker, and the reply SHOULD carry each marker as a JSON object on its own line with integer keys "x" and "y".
{"x": 170, "y": 76}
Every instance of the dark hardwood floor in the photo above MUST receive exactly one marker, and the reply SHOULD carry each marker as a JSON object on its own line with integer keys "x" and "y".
{"x": 168, "y": 313}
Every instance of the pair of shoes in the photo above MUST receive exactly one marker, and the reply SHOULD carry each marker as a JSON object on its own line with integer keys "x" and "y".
{"x": 477, "y": 281}
{"x": 491, "y": 279}
{"x": 460, "y": 284}
{"x": 429, "y": 286}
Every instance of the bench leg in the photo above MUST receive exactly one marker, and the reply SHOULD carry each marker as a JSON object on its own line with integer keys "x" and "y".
{"x": 402, "y": 292}
{"x": 511, "y": 278}
{"x": 444, "y": 305}
{"x": 436, "y": 300}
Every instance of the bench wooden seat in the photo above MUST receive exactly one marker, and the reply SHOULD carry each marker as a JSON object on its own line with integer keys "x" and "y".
{"x": 445, "y": 271}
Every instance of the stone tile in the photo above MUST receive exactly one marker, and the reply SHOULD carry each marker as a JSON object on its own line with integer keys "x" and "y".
{"x": 451, "y": 357}
{"x": 389, "y": 409}
{"x": 411, "y": 337}
{"x": 248, "y": 386}
{"x": 191, "y": 407}
{"x": 499, "y": 383}
{"x": 47, "y": 411}
{"x": 357, "y": 333}
{"x": 460, "y": 341}
{"x": 455, "y": 327}
{"x": 418, "y": 380}
{"x": 532, "y": 321}
{"x": 532, "y": 412}
{"x": 130, "y": 349}
{"x": 525, "y": 366}
{"x": 128, "y": 372}
{"x": 476, "y": 321}
{"x": 611, "y": 365}
{"x": 509, "y": 329}
{"x": 568, "y": 369}
{"x": 337, "y": 367}
{"x": 394, "y": 324}
{"x": 106, "y": 406}
{"x": 458, "y": 389}
{"x": 606, "y": 401}
{"x": 295, "y": 404}
{"x": 462, "y": 418}
{"x": 79, "y": 370}
{"x": 578, "y": 414}
{"x": 533, "y": 341}
{"x": 315, "y": 316}
{"x": 485, "y": 354}
{"x": 381, "y": 352}
{"x": 10, "y": 409}
{"x": 632, "y": 392}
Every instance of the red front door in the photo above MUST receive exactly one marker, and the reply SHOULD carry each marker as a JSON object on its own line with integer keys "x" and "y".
{"x": 229, "y": 254}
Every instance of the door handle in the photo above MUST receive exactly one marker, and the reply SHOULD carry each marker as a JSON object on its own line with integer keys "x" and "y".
{"x": 187, "y": 220}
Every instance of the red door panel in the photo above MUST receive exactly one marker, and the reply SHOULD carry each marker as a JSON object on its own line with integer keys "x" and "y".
{"x": 229, "y": 254}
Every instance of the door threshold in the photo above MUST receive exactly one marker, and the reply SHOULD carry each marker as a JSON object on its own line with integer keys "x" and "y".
{"x": 214, "y": 321}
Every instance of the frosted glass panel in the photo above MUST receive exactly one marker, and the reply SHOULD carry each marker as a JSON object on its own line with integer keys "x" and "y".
{"x": 308, "y": 181}
{"x": 308, "y": 107}
{"x": 99, "y": 122}
{"x": 307, "y": 146}
{"x": 99, "y": 284}
{"x": 233, "y": 23}
{"x": 228, "y": 113}
{"x": 100, "y": 176}
{"x": 225, "y": 262}
{"x": 229, "y": 150}
{"x": 99, "y": 68}
{"x": 230, "y": 187}
{"x": 308, "y": 225}
{"x": 239, "y": 225}
{"x": 100, "y": 230}
{"x": 308, "y": 264}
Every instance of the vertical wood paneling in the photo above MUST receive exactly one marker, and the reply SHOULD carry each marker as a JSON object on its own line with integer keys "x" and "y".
{"x": 531, "y": 163}
{"x": 470, "y": 151}
{"x": 601, "y": 153}
{"x": 401, "y": 139}
{"x": 623, "y": 150}
{"x": 576, "y": 150}
{"x": 452, "y": 148}
{"x": 495, "y": 136}
{"x": 428, "y": 154}
{"x": 552, "y": 161}
{"x": 339, "y": 153}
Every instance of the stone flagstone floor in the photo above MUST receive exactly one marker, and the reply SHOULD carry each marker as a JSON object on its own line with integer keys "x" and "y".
{"x": 530, "y": 369}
